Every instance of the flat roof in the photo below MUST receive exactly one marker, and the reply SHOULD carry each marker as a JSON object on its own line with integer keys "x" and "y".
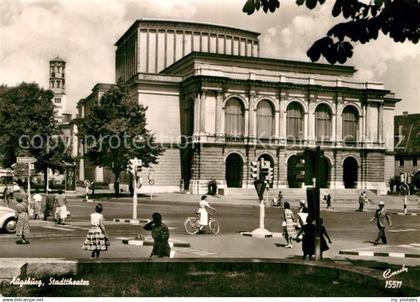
{"x": 350, "y": 70}
{"x": 180, "y": 21}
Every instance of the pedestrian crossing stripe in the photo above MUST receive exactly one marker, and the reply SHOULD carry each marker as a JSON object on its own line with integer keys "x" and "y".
{"x": 379, "y": 254}
{"x": 405, "y": 214}
{"x": 150, "y": 243}
{"x": 402, "y": 230}
{"x": 58, "y": 228}
{"x": 415, "y": 244}
{"x": 195, "y": 252}
{"x": 65, "y": 227}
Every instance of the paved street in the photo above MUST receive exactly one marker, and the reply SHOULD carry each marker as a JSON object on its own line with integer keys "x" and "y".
{"x": 350, "y": 231}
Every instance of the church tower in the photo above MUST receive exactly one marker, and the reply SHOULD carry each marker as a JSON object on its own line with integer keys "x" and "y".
{"x": 57, "y": 85}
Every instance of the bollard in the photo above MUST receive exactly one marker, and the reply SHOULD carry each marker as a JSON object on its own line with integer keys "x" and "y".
{"x": 405, "y": 204}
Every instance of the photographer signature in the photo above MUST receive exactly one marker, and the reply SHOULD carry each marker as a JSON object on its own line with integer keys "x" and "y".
{"x": 389, "y": 273}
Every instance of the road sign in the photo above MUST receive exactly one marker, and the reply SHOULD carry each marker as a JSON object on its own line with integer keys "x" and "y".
{"x": 21, "y": 169}
{"x": 26, "y": 160}
{"x": 260, "y": 188}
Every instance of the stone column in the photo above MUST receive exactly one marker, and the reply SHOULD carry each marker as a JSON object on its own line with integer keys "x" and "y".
{"x": 283, "y": 118}
{"x": 333, "y": 125}
{"x": 147, "y": 49}
{"x": 219, "y": 114}
{"x": 306, "y": 125}
{"x": 247, "y": 124}
{"x": 157, "y": 51}
{"x": 203, "y": 112}
{"x": 166, "y": 49}
{"x": 339, "y": 123}
{"x": 277, "y": 124}
{"x": 311, "y": 123}
{"x": 380, "y": 123}
{"x": 197, "y": 117}
{"x": 253, "y": 117}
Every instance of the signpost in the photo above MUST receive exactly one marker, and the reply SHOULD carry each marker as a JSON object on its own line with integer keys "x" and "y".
{"x": 24, "y": 167}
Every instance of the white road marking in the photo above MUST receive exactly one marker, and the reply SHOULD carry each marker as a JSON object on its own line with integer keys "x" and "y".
{"x": 396, "y": 255}
{"x": 58, "y": 228}
{"x": 366, "y": 253}
{"x": 402, "y": 230}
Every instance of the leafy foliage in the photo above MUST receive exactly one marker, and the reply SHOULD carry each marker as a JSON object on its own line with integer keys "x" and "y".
{"x": 399, "y": 19}
{"x": 115, "y": 131}
{"x": 27, "y": 125}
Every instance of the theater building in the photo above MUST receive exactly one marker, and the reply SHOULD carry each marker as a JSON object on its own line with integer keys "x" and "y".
{"x": 216, "y": 106}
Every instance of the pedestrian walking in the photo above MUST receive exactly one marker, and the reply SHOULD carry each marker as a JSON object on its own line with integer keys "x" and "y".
{"x": 6, "y": 193}
{"x": 22, "y": 215}
{"x": 61, "y": 211}
{"x": 323, "y": 234}
{"x": 37, "y": 200}
{"x": 278, "y": 201}
{"x": 97, "y": 237}
{"x": 362, "y": 201}
{"x": 308, "y": 240}
{"x": 160, "y": 234}
{"x": 327, "y": 199}
{"x": 380, "y": 216}
{"x": 289, "y": 230}
{"x": 49, "y": 205}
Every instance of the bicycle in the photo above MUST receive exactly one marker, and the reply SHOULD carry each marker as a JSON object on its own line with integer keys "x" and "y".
{"x": 192, "y": 225}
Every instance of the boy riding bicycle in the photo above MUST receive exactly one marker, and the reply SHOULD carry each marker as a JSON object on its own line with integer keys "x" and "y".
{"x": 202, "y": 212}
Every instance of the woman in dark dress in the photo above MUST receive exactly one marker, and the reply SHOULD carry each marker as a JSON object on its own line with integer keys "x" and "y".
{"x": 160, "y": 234}
{"x": 323, "y": 234}
{"x": 308, "y": 241}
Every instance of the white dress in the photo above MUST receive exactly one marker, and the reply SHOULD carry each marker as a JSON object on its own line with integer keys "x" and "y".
{"x": 204, "y": 218}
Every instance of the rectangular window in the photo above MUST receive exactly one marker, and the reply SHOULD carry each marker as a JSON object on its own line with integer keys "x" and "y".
{"x": 57, "y": 100}
{"x": 401, "y": 162}
{"x": 414, "y": 162}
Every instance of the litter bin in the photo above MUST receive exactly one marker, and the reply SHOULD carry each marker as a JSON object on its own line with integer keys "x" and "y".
{"x": 212, "y": 188}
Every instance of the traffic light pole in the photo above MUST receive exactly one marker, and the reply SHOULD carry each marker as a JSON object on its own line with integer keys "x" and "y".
{"x": 29, "y": 186}
{"x": 135, "y": 195}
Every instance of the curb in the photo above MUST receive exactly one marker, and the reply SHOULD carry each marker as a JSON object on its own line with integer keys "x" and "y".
{"x": 404, "y": 214}
{"x": 150, "y": 243}
{"x": 379, "y": 254}
{"x": 272, "y": 235}
{"x": 131, "y": 221}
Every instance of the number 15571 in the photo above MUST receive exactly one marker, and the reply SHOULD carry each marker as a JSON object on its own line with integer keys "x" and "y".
{"x": 393, "y": 284}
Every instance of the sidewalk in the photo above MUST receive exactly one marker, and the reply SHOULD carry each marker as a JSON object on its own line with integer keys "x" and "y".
{"x": 391, "y": 202}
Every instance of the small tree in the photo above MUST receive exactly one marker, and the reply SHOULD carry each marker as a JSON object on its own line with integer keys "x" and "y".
{"x": 399, "y": 19}
{"x": 115, "y": 131}
{"x": 27, "y": 125}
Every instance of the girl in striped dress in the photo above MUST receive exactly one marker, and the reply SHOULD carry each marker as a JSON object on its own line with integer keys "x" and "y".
{"x": 289, "y": 230}
{"x": 96, "y": 238}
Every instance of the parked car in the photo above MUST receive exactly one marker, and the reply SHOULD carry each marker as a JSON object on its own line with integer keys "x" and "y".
{"x": 7, "y": 220}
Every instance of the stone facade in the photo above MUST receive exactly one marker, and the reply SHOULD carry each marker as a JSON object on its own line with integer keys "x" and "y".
{"x": 407, "y": 146}
{"x": 282, "y": 107}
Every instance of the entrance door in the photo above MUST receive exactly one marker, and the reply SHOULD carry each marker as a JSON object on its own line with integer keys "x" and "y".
{"x": 234, "y": 167}
{"x": 350, "y": 168}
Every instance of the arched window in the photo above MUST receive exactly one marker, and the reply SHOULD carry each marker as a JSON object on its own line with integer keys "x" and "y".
{"x": 323, "y": 118}
{"x": 234, "y": 118}
{"x": 265, "y": 120}
{"x": 350, "y": 124}
{"x": 294, "y": 125}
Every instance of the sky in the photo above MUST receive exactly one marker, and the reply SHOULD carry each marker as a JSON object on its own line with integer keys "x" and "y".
{"x": 83, "y": 33}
